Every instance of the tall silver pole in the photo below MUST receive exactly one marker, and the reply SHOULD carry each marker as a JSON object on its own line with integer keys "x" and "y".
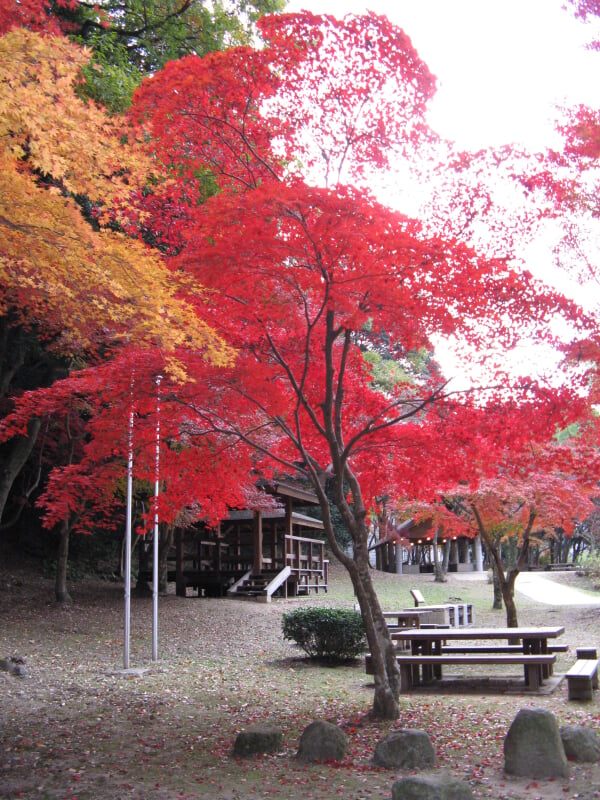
{"x": 156, "y": 531}
{"x": 128, "y": 540}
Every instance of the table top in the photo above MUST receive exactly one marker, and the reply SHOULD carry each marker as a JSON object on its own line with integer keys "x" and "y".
{"x": 406, "y": 612}
{"x": 526, "y": 632}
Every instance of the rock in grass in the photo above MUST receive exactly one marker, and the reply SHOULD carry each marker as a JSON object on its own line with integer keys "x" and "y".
{"x": 258, "y": 738}
{"x": 431, "y": 787}
{"x": 580, "y": 743}
{"x": 533, "y": 746}
{"x": 322, "y": 741}
{"x": 405, "y": 749}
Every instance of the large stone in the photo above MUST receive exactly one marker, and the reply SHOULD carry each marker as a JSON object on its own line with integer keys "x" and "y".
{"x": 258, "y": 738}
{"x": 533, "y": 747}
{"x": 322, "y": 741}
{"x": 431, "y": 787}
{"x": 405, "y": 749}
{"x": 580, "y": 743}
{"x": 14, "y": 666}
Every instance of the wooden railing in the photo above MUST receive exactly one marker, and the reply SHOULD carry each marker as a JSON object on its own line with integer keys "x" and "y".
{"x": 306, "y": 559}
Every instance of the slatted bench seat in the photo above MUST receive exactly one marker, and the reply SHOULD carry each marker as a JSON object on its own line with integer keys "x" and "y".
{"x": 532, "y": 663}
{"x": 500, "y": 648}
{"x": 476, "y": 649}
{"x": 582, "y": 678}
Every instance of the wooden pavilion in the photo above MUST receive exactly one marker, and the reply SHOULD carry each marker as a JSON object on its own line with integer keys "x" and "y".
{"x": 408, "y": 548}
{"x": 254, "y": 554}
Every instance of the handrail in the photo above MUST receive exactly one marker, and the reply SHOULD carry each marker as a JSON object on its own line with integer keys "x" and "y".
{"x": 277, "y": 581}
{"x": 233, "y": 589}
{"x": 291, "y": 537}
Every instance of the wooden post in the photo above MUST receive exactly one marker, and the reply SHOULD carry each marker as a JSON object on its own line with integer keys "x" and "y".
{"x": 289, "y": 528}
{"x": 218, "y": 549}
{"x": 399, "y": 555}
{"x": 257, "y": 543}
{"x": 478, "y": 554}
{"x": 179, "y": 577}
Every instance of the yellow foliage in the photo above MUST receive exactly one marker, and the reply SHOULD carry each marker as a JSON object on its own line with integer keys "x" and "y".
{"x": 43, "y": 120}
{"x": 86, "y": 286}
{"x": 81, "y": 287}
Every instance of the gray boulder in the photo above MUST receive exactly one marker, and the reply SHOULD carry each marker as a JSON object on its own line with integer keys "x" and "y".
{"x": 258, "y": 738}
{"x": 580, "y": 743}
{"x": 533, "y": 747}
{"x": 322, "y": 741}
{"x": 14, "y": 666}
{"x": 405, "y": 749}
{"x": 431, "y": 787}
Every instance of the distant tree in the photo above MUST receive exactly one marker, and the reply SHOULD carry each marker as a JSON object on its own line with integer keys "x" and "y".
{"x": 135, "y": 39}
{"x": 517, "y": 512}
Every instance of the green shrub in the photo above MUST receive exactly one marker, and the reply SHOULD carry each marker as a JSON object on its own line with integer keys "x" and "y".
{"x": 329, "y": 634}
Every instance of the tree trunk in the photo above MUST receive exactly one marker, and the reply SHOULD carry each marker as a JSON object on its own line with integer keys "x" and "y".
{"x": 15, "y": 459}
{"x": 497, "y": 604}
{"x": 386, "y": 672}
{"x": 60, "y": 584}
{"x": 508, "y": 595}
{"x": 354, "y": 515}
{"x": 446, "y": 556}
{"x": 438, "y": 566}
{"x": 383, "y": 653}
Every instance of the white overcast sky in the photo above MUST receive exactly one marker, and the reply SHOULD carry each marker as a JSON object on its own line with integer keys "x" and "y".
{"x": 501, "y": 65}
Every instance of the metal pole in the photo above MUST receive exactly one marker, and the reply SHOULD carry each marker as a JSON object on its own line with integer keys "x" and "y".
{"x": 156, "y": 531}
{"x": 128, "y": 540}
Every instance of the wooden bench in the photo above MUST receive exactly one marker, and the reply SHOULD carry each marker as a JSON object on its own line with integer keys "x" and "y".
{"x": 587, "y": 652}
{"x": 502, "y": 648}
{"x": 532, "y": 663}
{"x": 582, "y": 679}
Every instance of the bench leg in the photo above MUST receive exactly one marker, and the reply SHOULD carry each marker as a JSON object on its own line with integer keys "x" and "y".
{"x": 437, "y": 669}
{"x": 547, "y": 669}
{"x": 406, "y": 677}
{"x": 580, "y": 688}
{"x": 533, "y": 676}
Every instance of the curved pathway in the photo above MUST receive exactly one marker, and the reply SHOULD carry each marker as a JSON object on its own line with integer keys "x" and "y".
{"x": 545, "y": 590}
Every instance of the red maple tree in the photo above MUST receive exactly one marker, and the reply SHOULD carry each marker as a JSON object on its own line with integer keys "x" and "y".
{"x": 301, "y": 279}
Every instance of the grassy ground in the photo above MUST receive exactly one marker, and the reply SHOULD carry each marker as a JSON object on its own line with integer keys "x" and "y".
{"x": 76, "y": 727}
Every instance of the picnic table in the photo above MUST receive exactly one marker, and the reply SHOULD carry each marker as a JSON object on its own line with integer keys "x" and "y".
{"x": 408, "y": 618}
{"x": 433, "y": 648}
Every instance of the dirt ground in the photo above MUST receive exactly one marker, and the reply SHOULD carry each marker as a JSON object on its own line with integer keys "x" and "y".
{"x": 78, "y": 727}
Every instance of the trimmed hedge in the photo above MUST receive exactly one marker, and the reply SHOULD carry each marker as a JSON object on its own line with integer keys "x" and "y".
{"x": 329, "y": 634}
